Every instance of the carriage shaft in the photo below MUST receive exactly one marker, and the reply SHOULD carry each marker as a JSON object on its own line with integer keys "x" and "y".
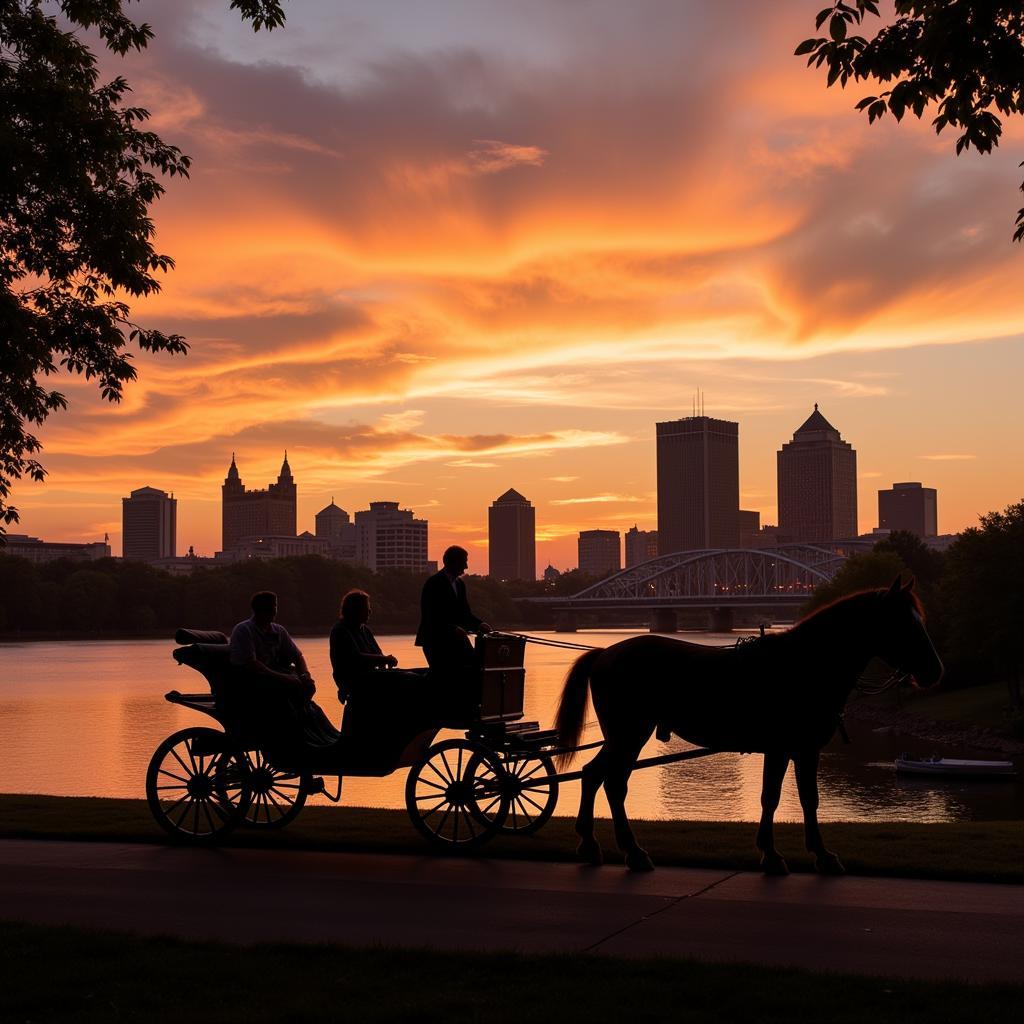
{"x": 647, "y": 762}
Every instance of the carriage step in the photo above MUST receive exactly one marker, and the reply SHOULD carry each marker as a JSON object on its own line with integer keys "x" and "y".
{"x": 520, "y": 727}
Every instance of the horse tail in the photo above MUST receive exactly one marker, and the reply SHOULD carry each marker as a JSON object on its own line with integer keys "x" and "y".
{"x": 573, "y": 703}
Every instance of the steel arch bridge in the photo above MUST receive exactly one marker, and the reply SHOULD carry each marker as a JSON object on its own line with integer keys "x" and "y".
{"x": 717, "y": 577}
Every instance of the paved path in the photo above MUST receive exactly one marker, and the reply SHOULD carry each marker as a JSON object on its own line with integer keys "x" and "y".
{"x": 865, "y": 925}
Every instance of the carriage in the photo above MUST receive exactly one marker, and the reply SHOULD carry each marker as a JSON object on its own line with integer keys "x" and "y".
{"x": 498, "y": 777}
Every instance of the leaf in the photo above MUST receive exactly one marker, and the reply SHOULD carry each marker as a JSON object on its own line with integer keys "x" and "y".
{"x": 837, "y": 28}
{"x": 805, "y": 47}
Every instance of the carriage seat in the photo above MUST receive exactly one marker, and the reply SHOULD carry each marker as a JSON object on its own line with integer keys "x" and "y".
{"x": 200, "y": 636}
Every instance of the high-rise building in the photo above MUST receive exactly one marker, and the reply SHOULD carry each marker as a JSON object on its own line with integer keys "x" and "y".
{"x": 750, "y": 527}
{"x": 263, "y": 513}
{"x": 698, "y": 484}
{"x": 599, "y": 552}
{"x": 389, "y": 537}
{"x": 817, "y": 483}
{"x": 334, "y": 526}
{"x": 511, "y": 538}
{"x": 641, "y": 545}
{"x": 149, "y": 525}
{"x": 909, "y": 506}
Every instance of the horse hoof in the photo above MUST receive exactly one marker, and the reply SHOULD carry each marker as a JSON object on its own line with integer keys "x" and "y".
{"x": 589, "y": 851}
{"x": 639, "y": 861}
{"x": 773, "y": 864}
{"x": 828, "y": 864}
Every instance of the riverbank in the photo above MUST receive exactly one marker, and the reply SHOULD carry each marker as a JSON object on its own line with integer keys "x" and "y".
{"x": 971, "y": 851}
{"x": 977, "y": 718}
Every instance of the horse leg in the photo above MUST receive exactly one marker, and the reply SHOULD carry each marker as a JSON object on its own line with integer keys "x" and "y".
{"x": 806, "y": 767}
{"x": 775, "y": 765}
{"x": 616, "y": 786}
{"x": 589, "y": 849}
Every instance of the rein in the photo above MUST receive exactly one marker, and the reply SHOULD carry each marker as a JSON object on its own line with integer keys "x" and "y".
{"x": 542, "y": 641}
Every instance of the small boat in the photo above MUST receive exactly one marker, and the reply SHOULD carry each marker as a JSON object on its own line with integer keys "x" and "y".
{"x": 955, "y": 767}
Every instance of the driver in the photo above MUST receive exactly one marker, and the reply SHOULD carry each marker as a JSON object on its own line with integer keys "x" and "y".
{"x": 446, "y": 619}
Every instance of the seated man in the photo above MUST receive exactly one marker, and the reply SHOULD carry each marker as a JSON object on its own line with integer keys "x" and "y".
{"x": 355, "y": 653}
{"x": 445, "y": 616}
{"x": 263, "y": 647}
{"x": 278, "y": 680}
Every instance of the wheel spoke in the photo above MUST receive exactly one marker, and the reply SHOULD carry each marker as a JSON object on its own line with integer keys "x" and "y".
{"x": 445, "y": 779}
{"x": 164, "y": 771}
{"x": 177, "y": 757}
{"x": 529, "y": 799}
{"x": 447, "y": 766}
{"x": 289, "y": 801}
{"x": 444, "y": 818}
{"x": 426, "y": 782}
{"x": 469, "y": 822}
{"x": 434, "y": 809}
{"x": 173, "y": 786}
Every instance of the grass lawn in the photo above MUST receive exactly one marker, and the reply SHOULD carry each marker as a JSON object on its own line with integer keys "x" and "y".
{"x": 972, "y": 851}
{"x": 58, "y": 974}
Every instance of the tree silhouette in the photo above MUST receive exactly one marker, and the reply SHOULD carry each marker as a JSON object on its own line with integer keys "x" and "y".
{"x": 965, "y": 59}
{"x": 78, "y": 175}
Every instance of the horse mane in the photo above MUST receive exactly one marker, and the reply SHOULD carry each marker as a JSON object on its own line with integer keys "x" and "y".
{"x": 859, "y": 597}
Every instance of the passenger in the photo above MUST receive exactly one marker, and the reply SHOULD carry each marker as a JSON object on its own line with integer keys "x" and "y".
{"x": 445, "y": 617}
{"x": 278, "y": 694}
{"x": 355, "y": 653}
{"x": 264, "y": 648}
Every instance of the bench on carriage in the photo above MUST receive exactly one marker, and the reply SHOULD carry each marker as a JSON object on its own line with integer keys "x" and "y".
{"x": 496, "y": 777}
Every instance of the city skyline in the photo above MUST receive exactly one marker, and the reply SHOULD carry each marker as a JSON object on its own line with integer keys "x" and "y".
{"x": 436, "y": 300}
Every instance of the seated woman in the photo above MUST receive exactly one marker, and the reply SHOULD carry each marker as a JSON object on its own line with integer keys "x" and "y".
{"x": 355, "y": 653}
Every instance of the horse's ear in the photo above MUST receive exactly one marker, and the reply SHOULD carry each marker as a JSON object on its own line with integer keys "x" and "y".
{"x": 897, "y": 586}
{"x": 909, "y": 585}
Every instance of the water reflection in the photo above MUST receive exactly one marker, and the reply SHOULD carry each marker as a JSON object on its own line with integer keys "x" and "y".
{"x": 83, "y": 718}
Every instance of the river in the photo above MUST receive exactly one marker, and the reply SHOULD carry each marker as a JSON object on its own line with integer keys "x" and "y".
{"x": 81, "y": 718}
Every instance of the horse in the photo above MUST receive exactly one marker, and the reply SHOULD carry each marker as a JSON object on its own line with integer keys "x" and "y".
{"x": 781, "y": 695}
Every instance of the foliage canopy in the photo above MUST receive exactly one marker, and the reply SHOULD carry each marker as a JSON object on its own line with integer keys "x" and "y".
{"x": 965, "y": 59}
{"x": 78, "y": 175}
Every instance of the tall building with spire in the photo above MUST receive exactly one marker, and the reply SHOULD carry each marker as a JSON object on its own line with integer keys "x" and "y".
{"x": 698, "y": 484}
{"x": 263, "y": 513}
{"x": 817, "y": 477}
{"x": 512, "y": 538}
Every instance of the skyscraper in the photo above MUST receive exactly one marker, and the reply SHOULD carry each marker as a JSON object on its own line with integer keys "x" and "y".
{"x": 641, "y": 545}
{"x": 817, "y": 483}
{"x": 511, "y": 538}
{"x": 263, "y": 513}
{"x": 910, "y": 507}
{"x": 599, "y": 552}
{"x": 698, "y": 484}
{"x": 389, "y": 537}
{"x": 149, "y": 525}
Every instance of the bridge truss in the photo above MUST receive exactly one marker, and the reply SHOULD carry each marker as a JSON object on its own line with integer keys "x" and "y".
{"x": 726, "y": 575}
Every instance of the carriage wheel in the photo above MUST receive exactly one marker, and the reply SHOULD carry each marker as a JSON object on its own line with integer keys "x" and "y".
{"x": 528, "y": 807}
{"x": 194, "y": 786}
{"x": 275, "y": 797}
{"x": 446, "y": 791}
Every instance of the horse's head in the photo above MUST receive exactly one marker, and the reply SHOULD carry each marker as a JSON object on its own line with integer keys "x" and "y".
{"x": 902, "y": 639}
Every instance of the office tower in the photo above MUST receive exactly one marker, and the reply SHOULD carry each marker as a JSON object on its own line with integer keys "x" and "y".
{"x": 389, "y": 537}
{"x": 262, "y": 513}
{"x": 817, "y": 484}
{"x": 511, "y": 538}
{"x": 334, "y": 526}
{"x": 599, "y": 553}
{"x": 698, "y": 484}
{"x": 641, "y": 545}
{"x": 750, "y": 528}
{"x": 149, "y": 523}
{"x": 910, "y": 507}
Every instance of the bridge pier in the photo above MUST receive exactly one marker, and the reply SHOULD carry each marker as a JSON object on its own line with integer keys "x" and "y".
{"x": 720, "y": 620}
{"x": 565, "y": 622}
{"x": 664, "y": 621}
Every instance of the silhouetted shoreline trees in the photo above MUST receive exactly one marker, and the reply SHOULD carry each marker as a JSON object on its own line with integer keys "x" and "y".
{"x": 113, "y": 598}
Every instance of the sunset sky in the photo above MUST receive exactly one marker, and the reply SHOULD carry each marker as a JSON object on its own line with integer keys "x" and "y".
{"x": 440, "y": 249}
